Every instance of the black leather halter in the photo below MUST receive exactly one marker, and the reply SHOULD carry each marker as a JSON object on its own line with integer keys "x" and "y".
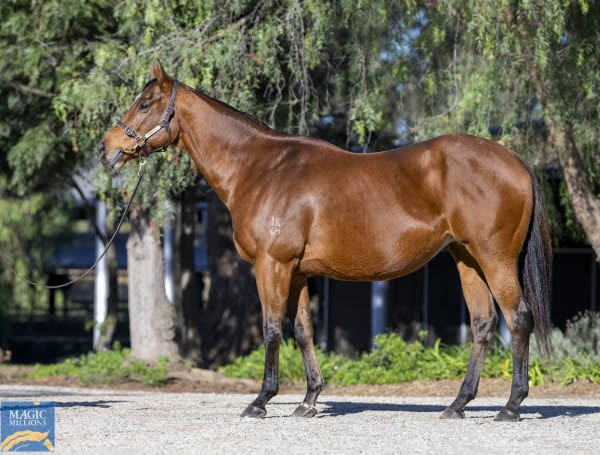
{"x": 141, "y": 141}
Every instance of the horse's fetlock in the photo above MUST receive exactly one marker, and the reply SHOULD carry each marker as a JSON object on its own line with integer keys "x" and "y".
{"x": 316, "y": 384}
{"x": 270, "y": 389}
{"x": 521, "y": 392}
{"x": 467, "y": 396}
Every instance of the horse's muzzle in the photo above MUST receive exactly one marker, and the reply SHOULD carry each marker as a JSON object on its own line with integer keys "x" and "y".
{"x": 116, "y": 159}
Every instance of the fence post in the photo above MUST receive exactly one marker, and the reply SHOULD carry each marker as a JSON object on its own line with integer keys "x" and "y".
{"x": 378, "y": 303}
{"x": 464, "y": 327}
{"x": 168, "y": 258}
{"x": 101, "y": 276}
{"x": 324, "y": 313}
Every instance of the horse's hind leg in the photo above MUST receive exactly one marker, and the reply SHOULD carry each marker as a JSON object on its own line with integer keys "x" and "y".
{"x": 506, "y": 289}
{"x": 483, "y": 323}
{"x": 299, "y": 312}
{"x": 273, "y": 283}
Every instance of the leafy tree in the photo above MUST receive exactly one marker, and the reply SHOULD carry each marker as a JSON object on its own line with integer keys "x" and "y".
{"x": 525, "y": 73}
{"x": 42, "y": 46}
{"x": 25, "y": 226}
{"x": 357, "y": 73}
{"x": 81, "y": 63}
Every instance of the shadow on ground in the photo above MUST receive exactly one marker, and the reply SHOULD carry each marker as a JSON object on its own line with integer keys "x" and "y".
{"x": 14, "y": 394}
{"x": 341, "y": 408}
{"x": 74, "y": 404}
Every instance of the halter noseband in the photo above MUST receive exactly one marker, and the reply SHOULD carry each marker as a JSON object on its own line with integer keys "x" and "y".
{"x": 141, "y": 141}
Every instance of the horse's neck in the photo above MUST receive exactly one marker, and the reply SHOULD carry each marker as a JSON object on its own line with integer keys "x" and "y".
{"x": 221, "y": 141}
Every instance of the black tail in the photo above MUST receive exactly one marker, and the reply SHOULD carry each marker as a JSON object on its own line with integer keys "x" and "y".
{"x": 536, "y": 271}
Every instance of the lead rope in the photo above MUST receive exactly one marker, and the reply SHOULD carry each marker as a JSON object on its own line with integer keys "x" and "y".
{"x": 110, "y": 242}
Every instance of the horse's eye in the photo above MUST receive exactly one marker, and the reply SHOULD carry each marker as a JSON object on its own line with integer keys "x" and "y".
{"x": 143, "y": 107}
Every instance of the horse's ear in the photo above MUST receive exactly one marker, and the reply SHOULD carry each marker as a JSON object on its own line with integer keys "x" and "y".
{"x": 159, "y": 73}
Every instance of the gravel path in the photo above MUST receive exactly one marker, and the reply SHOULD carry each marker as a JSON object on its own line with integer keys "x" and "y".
{"x": 102, "y": 421}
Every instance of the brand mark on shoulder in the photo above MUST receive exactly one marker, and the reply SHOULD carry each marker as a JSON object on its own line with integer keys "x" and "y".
{"x": 275, "y": 225}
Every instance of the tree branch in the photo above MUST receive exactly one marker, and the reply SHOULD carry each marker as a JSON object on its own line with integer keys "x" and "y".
{"x": 32, "y": 90}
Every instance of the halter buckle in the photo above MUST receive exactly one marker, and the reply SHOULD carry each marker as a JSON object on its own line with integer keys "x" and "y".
{"x": 143, "y": 160}
{"x": 129, "y": 131}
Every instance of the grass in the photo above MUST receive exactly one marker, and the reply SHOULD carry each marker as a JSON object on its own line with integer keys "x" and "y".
{"x": 106, "y": 367}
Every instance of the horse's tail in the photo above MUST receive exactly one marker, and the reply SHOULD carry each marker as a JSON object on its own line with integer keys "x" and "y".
{"x": 536, "y": 270}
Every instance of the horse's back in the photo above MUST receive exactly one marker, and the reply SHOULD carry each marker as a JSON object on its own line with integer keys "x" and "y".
{"x": 381, "y": 215}
{"x": 385, "y": 214}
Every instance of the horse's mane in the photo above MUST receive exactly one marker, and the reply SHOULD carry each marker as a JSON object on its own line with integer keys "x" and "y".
{"x": 251, "y": 117}
{"x": 228, "y": 106}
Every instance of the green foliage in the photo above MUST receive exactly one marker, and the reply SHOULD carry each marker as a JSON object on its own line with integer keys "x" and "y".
{"x": 290, "y": 362}
{"x": 26, "y": 226}
{"x": 394, "y": 361}
{"x": 107, "y": 367}
{"x": 71, "y": 68}
{"x": 384, "y": 68}
{"x": 581, "y": 340}
{"x": 514, "y": 65}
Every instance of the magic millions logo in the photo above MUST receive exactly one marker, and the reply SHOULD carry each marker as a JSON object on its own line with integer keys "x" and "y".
{"x": 26, "y": 426}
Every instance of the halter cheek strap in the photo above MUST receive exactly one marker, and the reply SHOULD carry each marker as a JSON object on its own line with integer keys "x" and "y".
{"x": 141, "y": 141}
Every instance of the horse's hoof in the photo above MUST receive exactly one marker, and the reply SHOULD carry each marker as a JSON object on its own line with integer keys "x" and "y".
{"x": 450, "y": 413}
{"x": 304, "y": 411}
{"x": 507, "y": 415}
{"x": 253, "y": 412}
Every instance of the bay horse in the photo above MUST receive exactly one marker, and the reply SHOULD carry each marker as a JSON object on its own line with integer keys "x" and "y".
{"x": 301, "y": 206}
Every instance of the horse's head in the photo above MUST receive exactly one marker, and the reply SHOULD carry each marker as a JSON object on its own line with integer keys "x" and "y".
{"x": 148, "y": 125}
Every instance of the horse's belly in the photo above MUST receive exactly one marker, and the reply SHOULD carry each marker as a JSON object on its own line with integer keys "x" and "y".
{"x": 351, "y": 271}
{"x": 380, "y": 259}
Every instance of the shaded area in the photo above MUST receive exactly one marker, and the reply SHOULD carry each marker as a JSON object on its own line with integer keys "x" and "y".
{"x": 341, "y": 408}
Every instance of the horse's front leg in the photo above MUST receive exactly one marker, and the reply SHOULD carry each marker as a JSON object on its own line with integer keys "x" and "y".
{"x": 273, "y": 283}
{"x": 299, "y": 311}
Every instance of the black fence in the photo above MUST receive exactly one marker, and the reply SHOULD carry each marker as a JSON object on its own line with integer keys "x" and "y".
{"x": 431, "y": 299}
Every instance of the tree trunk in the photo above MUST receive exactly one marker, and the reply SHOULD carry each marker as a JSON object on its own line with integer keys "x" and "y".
{"x": 232, "y": 319}
{"x": 583, "y": 201}
{"x": 151, "y": 315}
{"x": 107, "y": 331}
{"x": 187, "y": 295}
{"x": 585, "y": 205}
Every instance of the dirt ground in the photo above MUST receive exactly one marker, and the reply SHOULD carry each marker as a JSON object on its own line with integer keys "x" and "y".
{"x": 196, "y": 380}
{"x": 91, "y": 420}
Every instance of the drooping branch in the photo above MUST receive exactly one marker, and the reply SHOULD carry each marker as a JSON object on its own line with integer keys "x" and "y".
{"x": 35, "y": 91}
